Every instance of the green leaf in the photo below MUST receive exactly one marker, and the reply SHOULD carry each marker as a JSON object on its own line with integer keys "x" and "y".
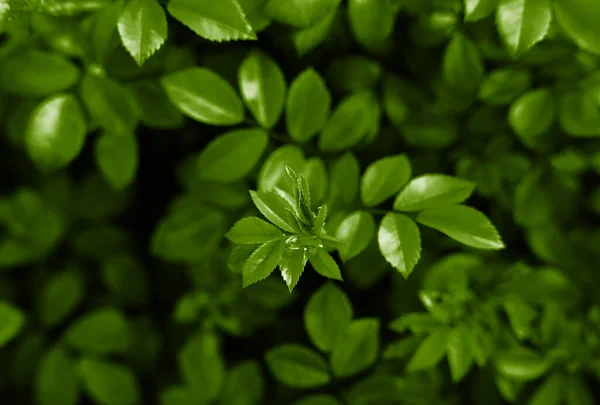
{"x": 178, "y": 395}
{"x": 400, "y": 242}
{"x": 523, "y": 364}
{"x": 156, "y": 111}
{"x": 308, "y": 106}
{"x": 204, "y": 96}
{"x": 318, "y": 399}
{"x": 300, "y": 13}
{"x": 523, "y": 23}
{"x": 417, "y": 322}
{"x": 504, "y": 85}
{"x": 462, "y": 66}
{"x": 262, "y": 262}
{"x": 358, "y": 350}
{"x": 222, "y": 21}
{"x": 460, "y": 354}
{"x": 349, "y": 123}
{"x": 143, "y": 28}
{"x": 263, "y": 88}
{"x": 371, "y": 21}
{"x": 12, "y": 321}
{"x": 325, "y": 265}
{"x": 232, "y": 155}
{"x": 110, "y": 105}
{"x": 356, "y": 230}
{"x": 315, "y": 173}
{"x": 431, "y": 190}
{"x": 117, "y": 158}
{"x": 292, "y": 265}
{"x": 35, "y": 73}
{"x": 307, "y": 39}
{"x": 109, "y": 383}
{"x": 577, "y": 391}
{"x": 297, "y": 366}
{"x": 56, "y": 132}
{"x": 273, "y": 174}
{"x": 531, "y": 115}
{"x": 344, "y": 178}
{"x": 274, "y": 208}
{"x": 549, "y": 393}
{"x": 327, "y": 316}
{"x": 244, "y": 384}
{"x": 384, "y": 178}
{"x": 126, "y": 278}
{"x": 60, "y": 297}
{"x": 579, "y": 114}
{"x": 431, "y": 351}
{"x": 479, "y": 9}
{"x": 353, "y": 73}
{"x": 101, "y": 331}
{"x": 56, "y": 382}
{"x": 579, "y": 19}
{"x": 252, "y": 230}
{"x": 464, "y": 224}
{"x": 202, "y": 365}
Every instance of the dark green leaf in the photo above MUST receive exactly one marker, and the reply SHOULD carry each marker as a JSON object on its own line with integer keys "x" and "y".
{"x": 222, "y": 21}
{"x": 231, "y": 156}
{"x": 307, "y": 39}
{"x": 353, "y": 73}
{"x": 297, "y": 366}
{"x": 56, "y": 382}
{"x": 109, "y": 383}
{"x": 358, "y": 350}
{"x": 316, "y": 176}
{"x": 431, "y": 190}
{"x": 356, "y": 230}
{"x": 462, "y": 66}
{"x": 202, "y": 365}
{"x": 327, "y": 316}
{"x": 579, "y": 113}
{"x": 344, "y": 178}
{"x": 155, "y": 108}
{"x": 101, "y": 331}
{"x": 204, "y": 96}
{"x": 577, "y": 392}
{"x": 464, "y": 224}
{"x": 262, "y": 262}
{"x": 549, "y": 393}
{"x": 117, "y": 158}
{"x": 522, "y": 364}
{"x": 12, "y": 321}
{"x": 504, "y": 85}
{"x": 60, "y": 297}
{"x": 244, "y": 384}
{"x": 523, "y": 23}
{"x": 318, "y": 399}
{"x": 263, "y": 88}
{"x": 400, "y": 242}
{"x": 417, "y": 322}
{"x": 143, "y": 28}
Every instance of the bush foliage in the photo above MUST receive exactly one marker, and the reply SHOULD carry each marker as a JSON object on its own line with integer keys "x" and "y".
{"x": 306, "y": 202}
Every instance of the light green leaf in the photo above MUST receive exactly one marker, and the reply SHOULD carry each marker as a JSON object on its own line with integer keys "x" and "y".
{"x": 460, "y": 354}
{"x": 325, "y": 265}
{"x": 384, "y": 178}
{"x": 262, "y": 262}
{"x": 431, "y": 190}
{"x": 292, "y": 265}
{"x": 12, "y": 321}
{"x": 356, "y": 230}
{"x": 550, "y": 392}
{"x": 56, "y": 382}
{"x": 521, "y": 363}
{"x": 252, "y": 230}
{"x": 202, "y": 365}
{"x": 327, "y": 316}
{"x": 349, "y": 123}
{"x": 462, "y": 66}
{"x": 479, "y": 9}
{"x": 464, "y": 224}
{"x": 297, "y": 366}
{"x": 110, "y": 105}
{"x": 68, "y": 8}
{"x": 60, "y": 297}
{"x": 318, "y": 399}
{"x": 263, "y": 88}
{"x": 35, "y": 73}
{"x": 400, "y": 242}
{"x": 344, "y": 178}
{"x": 274, "y": 208}
{"x": 431, "y": 351}
{"x": 56, "y": 132}
{"x": 358, "y": 350}
{"x": 308, "y": 106}
{"x": 222, "y": 21}
{"x": 579, "y": 19}
{"x": 531, "y": 115}
{"x": 300, "y": 13}
{"x": 504, "y": 85}
{"x": 256, "y": 14}
{"x": 244, "y": 384}
{"x": 523, "y": 23}
{"x": 371, "y": 21}
{"x": 232, "y": 155}
{"x": 101, "y": 331}
{"x": 307, "y": 39}
{"x": 109, "y": 383}
{"x": 273, "y": 174}
{"x": 204, "y": 96}
{"x": 117, "y": 158}
{"x": 143, "y": 28}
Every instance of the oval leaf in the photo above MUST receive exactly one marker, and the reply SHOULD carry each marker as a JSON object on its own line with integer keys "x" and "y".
{"x": 202, "y": 365}
{"x": 400, "y": 242}
{"x": 12, "y": 321}
{"x": 143, "y": 28}
{"x": 523, "y": 23}
{"x": 579, "y": 19}
{"x": 101, "y": 331}
{"x": 325, "y": 265}
{"x": 384, "y": 178}
{"x": 478, "y": 9}
{"x": 431, "y": 351}
{"x": 117, "y": 158}
{"x": 531, "y": 115}
{"x": 109, "y": 383}
{"x": 252, "y": 230}
{"x": 356, "y": 231}
{"x": 56, "y": 382}
{"x": 462, "y": 66}
{"x": 297, "y": 366}
{"x": 300, "y": 13}
{"x": 522, "y": 364}
{"x": 262, "y": 262}
{"x": 358, "y": 350}
{"x": 431, "y": 190}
